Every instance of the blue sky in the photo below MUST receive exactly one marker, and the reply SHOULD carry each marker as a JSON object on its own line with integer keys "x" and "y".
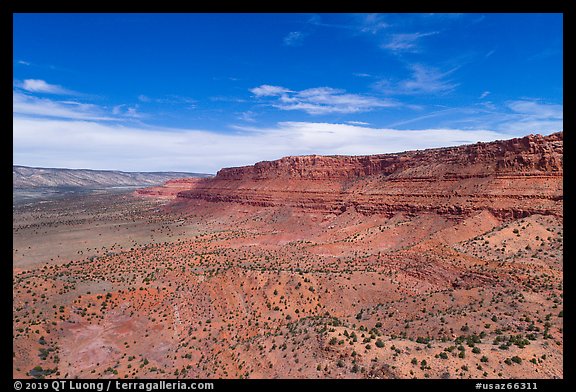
{"x": 198, "y": 92}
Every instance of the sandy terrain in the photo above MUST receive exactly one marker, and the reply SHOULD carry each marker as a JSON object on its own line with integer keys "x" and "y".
{"x": 125, "y": 286}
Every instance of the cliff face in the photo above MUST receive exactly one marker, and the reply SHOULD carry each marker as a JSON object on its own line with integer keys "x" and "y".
{"x": 511, "y": 178}
{"x": 530, "y": 153}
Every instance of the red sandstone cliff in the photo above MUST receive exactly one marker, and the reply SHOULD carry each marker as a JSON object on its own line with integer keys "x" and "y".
{"x": 511, "y": 178}
{"x": 171, "y": 188}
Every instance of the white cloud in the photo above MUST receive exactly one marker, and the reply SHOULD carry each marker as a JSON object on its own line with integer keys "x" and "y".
{"x": 127, "y": 111}
{"x": 22, "y": 62}
{"x": 533, "y": 116}
{"x": 133, "y": 112}
{"x": 372, "y": 23}
{"x": 518, "y": 117}
{"x": 28, "y": 105}
{"x": 268, "y": 91}
{"x": 406, "y": 42}
{"x": 116, "y": 110}
{"x": 484, "y": 94}
{"x": 320, "y": 100}
{"x": 90, "y": 144}
{"x": 423, "y": 80}
{"x": 247, "y": 116}
{"x": 357, "y": 123}
{"x": 169, "y": 99}
{"x": 294, "y": 38}
{"x": 40, "y": 86}
{"x": 23, "y": 104}
{"x": 534, "y": 108}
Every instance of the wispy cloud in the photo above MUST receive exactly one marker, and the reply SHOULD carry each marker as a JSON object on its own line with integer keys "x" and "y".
{"x": 362, "y": 75}
{"x": 320, "y": 100}
{"x": 125, "y": 110}
{"x": 533, "y": 115}
{"x": 23, "y": 104}
{"x": 316, "y": 20}
{"x": 427, "y": 116}
{"x": 406, "y": 42}
{"x": 484, "y": 94}
{"x": 555, "y": 50}
{"x": 516, "y": 117}
{"x": 41, "y": 86}
{"x": 22, "y": 62}
{"x": 535, "y": 108}
{"x": 248, "y": 116}
{"x": 171, "y": 99}
{"x": 423, "y": 80}
{"x": 294, "y": 38}
{"x": 267, "y": 90}
{"x": 372, "y": 23}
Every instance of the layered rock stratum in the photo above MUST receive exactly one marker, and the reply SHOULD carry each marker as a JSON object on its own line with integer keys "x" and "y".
{"x": 511, "y": 178}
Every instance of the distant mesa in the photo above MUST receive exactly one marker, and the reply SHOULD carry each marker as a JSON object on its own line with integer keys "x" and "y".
{"x": 24, "y": 177}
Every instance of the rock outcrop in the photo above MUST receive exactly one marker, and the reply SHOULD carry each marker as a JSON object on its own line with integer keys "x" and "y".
{"x": 512, "y": 178}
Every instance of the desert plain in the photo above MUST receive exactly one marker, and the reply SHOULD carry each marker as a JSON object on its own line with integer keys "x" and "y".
{"x": 444, "y": 263}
